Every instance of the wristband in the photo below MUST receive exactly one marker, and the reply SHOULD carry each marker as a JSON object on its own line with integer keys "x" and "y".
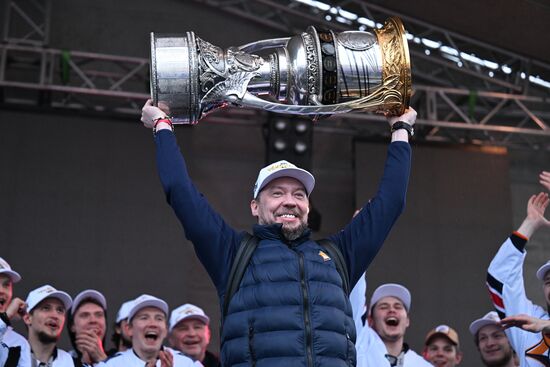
{"x": 403, "y": 125}
{"x": 166, "y": 120}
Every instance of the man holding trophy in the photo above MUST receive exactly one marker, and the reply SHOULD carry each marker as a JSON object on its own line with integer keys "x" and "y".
{"x": 290, "y": 306}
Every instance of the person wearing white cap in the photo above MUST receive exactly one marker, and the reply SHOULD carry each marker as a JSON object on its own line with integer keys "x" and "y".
{"x": 294, "y": 307}
{"x": 380, "y": 342}
{"x": 147, "y": 326}
{"x": 189, "y": 332}
{"x": 46, "y": 309}
{"x": 87, "y": 324}
{"x": 507, "y": 288}
{"x": 11, "y": 309}
{"x": 442, "y": 347}
{"x": 491, "y": 341}
{"x": 120, "y": 339}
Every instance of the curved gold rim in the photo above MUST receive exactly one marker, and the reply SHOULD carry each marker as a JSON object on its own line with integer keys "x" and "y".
{"x": 396, "y": 66}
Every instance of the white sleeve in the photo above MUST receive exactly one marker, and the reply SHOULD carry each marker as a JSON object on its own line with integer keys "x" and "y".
{"x": 507, "y": 291}
{"x": 3, "y": 329}
{"x": 358, "y": 301}
{"x": 3, "y": 353}
{"x": 180, "y": 360}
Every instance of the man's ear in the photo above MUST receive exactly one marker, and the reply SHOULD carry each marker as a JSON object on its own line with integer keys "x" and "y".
{"x": 254, "y": 207}
{"x": 370, "y": 320}
{"x": 128, "y": 329}
{"x": 27, "y": 319}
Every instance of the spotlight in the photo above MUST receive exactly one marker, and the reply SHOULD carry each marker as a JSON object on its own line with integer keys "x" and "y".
{"x": 301, "y": 127}
{"x": 279, "y": 145}
{"x": 300, "y": 147}
{"x": 280, "y": 125}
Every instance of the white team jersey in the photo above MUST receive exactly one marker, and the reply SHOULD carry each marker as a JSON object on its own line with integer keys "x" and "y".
{"x": 505, "y": 282}
{"x": 371, "y": 351}
{"x": 129, "y": 358}
{"x": 3, "y": 353}
{"x": 59, "y": 359}
{"x": 8, "y": 339}
{"x": 13, "y": 339}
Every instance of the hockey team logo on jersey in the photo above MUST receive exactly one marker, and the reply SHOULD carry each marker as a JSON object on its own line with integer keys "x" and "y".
{"x": 540, "y": 351}
{"x": 324, "y": 256}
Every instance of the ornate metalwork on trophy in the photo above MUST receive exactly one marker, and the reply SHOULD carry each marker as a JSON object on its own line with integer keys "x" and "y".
{"x": 319, "y": 72}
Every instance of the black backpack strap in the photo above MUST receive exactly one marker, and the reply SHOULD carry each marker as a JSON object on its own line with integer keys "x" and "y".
{"x": 335, "y": 253}
{"x": 14, "y": 353}
{"x": 240, "y": 262}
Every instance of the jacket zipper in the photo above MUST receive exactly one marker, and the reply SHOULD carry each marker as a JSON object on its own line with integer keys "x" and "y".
{"x": 251, "y": 345}
{"x": 307, "y": 322}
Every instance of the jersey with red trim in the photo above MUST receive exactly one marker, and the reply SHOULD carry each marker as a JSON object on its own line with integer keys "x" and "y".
{"x": 507, "y": 291}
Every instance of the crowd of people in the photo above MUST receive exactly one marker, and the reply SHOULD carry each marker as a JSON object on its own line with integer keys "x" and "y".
{"x": 286, "y": 299}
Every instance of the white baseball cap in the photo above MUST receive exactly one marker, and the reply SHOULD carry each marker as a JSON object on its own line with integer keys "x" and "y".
{"x": 392, "y": 290}
{"x": 47, "y": 291}
{"x": 490, "y": 318}
{"x": 283, "y": 169}
{"x": 146, "y": 300}
{"x": 87, "y": 294}
{"x": 123, "y": 311}
{"x": 543, "y": 270}
{"x": 5, "y": 268}
{"x": 187, "y": 311}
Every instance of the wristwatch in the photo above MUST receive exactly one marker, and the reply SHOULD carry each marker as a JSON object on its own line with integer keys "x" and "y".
{"x": 403, "y": 125}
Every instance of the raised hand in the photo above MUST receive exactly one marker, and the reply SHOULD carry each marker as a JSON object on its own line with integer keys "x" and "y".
{"x": 91, "y": 346}
{"x": 527, "y": 323}
{"x": 536, "y": 206}
{"x": 16, "y": 309}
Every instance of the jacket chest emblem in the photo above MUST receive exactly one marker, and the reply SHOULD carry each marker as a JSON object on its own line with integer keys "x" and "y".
{"x": 324, "y": 256}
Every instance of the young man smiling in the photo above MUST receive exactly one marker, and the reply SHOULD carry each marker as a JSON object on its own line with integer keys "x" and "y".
{"x": 147, "y": 326}
{"x": 491, "y": 341}
{"x": 381, "y": 343}
{"x": 291, "y": 306}
{"x": 46, "y": 307}
{"x": 87, "y": 325}
{"x": 442, "y": 347}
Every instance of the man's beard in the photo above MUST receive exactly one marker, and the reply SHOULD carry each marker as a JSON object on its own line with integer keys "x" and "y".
{"x": 499, "y": 362}
{"x": 290, "y": 234}
{"x": 46, "y": 338}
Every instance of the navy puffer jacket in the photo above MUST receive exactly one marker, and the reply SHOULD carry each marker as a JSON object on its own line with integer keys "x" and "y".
{"x": 290, "y": 309}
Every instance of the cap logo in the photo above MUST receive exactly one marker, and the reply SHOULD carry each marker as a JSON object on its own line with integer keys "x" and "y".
{"x": 324, "y": 256}
{"x": 442, "y": 329}
{"x": 278, "y": 166}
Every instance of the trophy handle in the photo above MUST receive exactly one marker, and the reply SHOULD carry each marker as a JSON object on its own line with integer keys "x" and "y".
{"x": 264, "y": 45}
{"x": 378, "y": 100}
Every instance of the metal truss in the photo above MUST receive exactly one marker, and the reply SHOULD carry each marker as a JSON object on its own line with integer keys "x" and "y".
{"x": 456, "y": 104}
{"x": 27, "y": 22}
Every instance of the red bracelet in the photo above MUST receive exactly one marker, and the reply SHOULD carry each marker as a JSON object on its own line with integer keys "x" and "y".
{"x": 162, "y": 119}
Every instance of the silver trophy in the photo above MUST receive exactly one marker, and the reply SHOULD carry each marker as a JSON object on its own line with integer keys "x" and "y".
{"x": 319, "y": 72}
